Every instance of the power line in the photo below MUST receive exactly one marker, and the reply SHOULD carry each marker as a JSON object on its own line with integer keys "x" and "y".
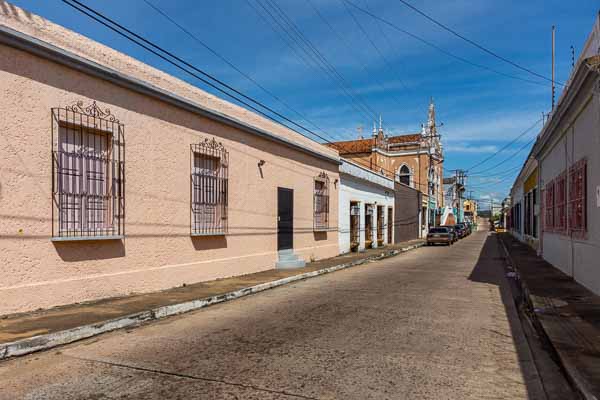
{"x": 294, "y": 33}
{"x": 441, "y": 50}
{"x": 505, "y": 146}
{"x": 100, "y": 18}
{"x": 348, "y": 45}
{"x": 366, "y": 34}
{"x": 488, "y": 51}
{"x": 510, "y": 157}
{"x": 229, "y": 63}
{"x": 154, "y": 49}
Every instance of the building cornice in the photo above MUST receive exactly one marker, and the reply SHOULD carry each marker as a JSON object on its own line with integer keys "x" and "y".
{"x": 32, "y": 45}
{"x": 405, "y": 153}
{"x": 549, "y": 131}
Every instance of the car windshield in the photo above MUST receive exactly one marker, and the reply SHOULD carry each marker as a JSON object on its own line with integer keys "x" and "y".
{"x": 438, "y": 230}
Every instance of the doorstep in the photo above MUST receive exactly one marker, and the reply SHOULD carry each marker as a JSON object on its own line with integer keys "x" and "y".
{"x": 26, "y": 333}
{"x": 567, "y": 313}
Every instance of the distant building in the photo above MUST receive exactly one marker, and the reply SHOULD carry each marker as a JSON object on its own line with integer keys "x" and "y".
{"x": 366, "y": 208}
{"x": 470, "y": 210}
{"x": 452, "y": 212}
{"x": 415, "y": 160}
{"x": 523, "y": 214}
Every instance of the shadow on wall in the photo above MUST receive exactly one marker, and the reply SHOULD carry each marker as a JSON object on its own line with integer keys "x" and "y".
{"x": 318, "y": 236}
{"x": 92, "y": 250}
{"x": 209, "y": 242}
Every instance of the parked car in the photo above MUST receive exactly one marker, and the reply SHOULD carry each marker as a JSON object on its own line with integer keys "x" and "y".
{"x": 440, "y": 235}
{"x": 452, "y": 231}
{"x": 460, "y": 230}
{"x": 467, "y": 227}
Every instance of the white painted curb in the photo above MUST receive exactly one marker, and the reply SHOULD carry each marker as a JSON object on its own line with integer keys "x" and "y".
{"x": 48, "y": 341}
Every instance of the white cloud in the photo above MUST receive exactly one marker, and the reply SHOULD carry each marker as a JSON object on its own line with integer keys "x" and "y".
{"x": 470, "y": 149}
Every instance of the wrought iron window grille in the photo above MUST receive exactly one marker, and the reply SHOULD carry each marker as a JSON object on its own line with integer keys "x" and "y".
{"x": 321, "y": 202}
{"x": 88, "y": 173}
{"x": 209, "y": 188}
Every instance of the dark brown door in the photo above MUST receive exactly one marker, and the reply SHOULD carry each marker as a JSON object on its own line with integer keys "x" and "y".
{"x": 285, "y": 219}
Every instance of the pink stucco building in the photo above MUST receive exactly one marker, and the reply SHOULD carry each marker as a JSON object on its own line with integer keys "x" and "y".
{"x": 117, "y": 178}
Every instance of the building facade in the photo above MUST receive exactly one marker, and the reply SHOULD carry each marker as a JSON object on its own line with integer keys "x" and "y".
{"x": 568, "y": 173}
{"x": 408, "y": 215}
{"x": 453, "y": 211}
{"x": 523, "y": 215}
{"x": 118, "y": 178}
{"x": 470, "y": 210}
{"x": 414, "y": 160}
{"x": 366, "y": 206}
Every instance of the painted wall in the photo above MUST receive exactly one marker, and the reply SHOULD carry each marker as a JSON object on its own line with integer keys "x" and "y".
{"x": 365, "y": 187}
{"x": 577, "y": 136}
{"x": 157, "y": 251}
{"x": 408, "y": 213}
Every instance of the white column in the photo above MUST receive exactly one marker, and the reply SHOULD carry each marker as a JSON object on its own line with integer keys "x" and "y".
{"x": 385, "y": 225}
{"x": 361, "y": 226}
{"x": 374, "y": 220}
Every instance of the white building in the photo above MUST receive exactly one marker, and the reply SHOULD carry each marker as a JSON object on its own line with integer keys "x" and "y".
{"x": 524, "y": 212}
{"x": 568, "y": 154}
{"x": 366, "y": 208}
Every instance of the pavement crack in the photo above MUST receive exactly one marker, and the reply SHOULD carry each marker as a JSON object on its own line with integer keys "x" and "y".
{"x": 194, "y": 377}
{"x": 498, "y": 333}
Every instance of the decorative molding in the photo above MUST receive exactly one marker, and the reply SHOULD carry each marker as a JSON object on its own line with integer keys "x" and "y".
{"x": 92, "y": 110}
{"x": 322, "y": 176}
{"x": 212, "y": 144}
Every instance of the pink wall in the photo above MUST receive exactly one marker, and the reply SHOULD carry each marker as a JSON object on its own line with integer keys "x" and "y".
{"x": 158, "y": 251}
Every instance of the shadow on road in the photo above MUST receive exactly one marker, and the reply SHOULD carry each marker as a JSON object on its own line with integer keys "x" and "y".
{"x": 490, "y": 269}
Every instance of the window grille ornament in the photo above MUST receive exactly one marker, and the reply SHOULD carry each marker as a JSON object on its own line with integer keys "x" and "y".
{"x": 321, "y": 201}
{"x": 209, "y": 188}
{"x": 92, "y": 110}
{"x": 88, "y": 173}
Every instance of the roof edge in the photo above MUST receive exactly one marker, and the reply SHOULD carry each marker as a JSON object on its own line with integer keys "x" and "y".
{"x": 40, "y": 48}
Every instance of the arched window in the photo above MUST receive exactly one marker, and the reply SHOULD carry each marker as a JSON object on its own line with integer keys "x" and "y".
{"x": 404, "y": 175}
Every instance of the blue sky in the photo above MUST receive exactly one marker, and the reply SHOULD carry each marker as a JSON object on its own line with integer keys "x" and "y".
{"x": 481, "y": 110}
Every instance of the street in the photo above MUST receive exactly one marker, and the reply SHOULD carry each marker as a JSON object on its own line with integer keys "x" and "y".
{"x": 435, "y": 323}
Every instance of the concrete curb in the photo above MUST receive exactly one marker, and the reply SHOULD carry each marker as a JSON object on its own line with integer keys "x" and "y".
{"x": 578, "y": 382}
{"x": 51, "y": 340}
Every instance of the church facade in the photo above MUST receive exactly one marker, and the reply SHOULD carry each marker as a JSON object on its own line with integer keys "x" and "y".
{"x": 415, "y": 160}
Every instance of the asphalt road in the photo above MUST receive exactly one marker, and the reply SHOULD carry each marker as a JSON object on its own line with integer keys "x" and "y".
{"x": 434, "y": 323}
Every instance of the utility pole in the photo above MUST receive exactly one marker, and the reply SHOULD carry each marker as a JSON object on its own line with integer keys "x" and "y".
{"x": 553, "y": 67}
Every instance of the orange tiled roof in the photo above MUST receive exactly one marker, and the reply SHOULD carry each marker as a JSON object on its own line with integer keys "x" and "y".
{"x": 353, "y": 146}
{"x": 404, "y": 138}
{"x": 366, "y": 145}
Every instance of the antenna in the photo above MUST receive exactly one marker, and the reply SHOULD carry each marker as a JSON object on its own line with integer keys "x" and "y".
{"x": 553, "y": 68}
{"x": 572, "y": 56}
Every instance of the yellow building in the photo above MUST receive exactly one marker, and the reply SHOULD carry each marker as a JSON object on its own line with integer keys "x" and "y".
{"x": 470, "y": 210}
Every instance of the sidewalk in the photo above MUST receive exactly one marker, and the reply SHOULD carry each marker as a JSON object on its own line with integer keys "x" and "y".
{"x": 567, "y": 312}
{"x": 40, "y": 330}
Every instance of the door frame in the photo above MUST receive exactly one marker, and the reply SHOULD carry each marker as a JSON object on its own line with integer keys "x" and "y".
{"x": 280, "y": 231}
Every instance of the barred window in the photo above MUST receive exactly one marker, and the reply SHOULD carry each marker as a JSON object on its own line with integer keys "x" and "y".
{"x": 577, "y": 198}
{"x": 88, "y": 170}
{"x": 549, "y": 207}
{"x": 560, "y": 214}
{"x": 209, "y": 188}
{"x": 321, "y": 202}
